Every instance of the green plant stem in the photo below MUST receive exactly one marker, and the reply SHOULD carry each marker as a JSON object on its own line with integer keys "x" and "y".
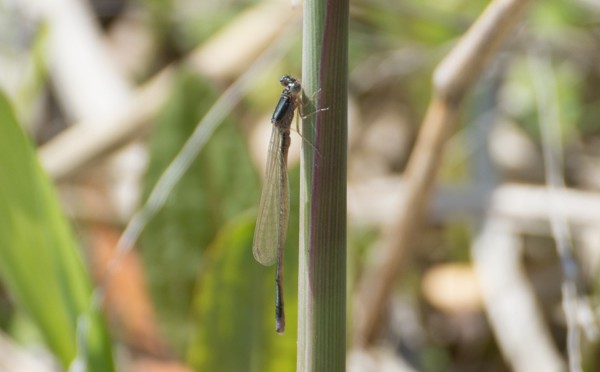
{"x": 322, "y": 278}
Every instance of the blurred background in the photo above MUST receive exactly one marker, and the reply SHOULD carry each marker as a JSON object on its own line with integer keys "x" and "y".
{"x": 106, "y": 93}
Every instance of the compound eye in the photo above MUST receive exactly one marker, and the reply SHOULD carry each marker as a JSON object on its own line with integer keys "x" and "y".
{"x": 285, "y": 80}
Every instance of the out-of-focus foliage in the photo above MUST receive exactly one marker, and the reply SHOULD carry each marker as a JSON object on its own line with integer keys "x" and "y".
{"x": 520, "y": 97}
{"x": 22, "y": 67}
{"x": 39, "y": 260}
{"x": 235, "y": 301}
{"x": 207, "y": 286}
{"x": 235, "y": 309}
{"x": 220, "y": 184}
{"x": 230, "y": 284}
{"x": 181, "y": 24}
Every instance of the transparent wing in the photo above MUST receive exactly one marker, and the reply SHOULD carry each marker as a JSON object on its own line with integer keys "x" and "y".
{"x": 271, "y": 223}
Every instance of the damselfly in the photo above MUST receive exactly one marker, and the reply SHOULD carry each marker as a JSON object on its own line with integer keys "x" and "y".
{"x": 273, "y": 212}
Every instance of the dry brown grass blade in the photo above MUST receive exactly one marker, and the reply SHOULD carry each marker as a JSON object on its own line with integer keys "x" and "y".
{"x": 452, "y": 80}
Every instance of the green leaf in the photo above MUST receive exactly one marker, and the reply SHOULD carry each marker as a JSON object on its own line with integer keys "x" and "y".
{"x": 235, "y": 307}
{"x": 223, "y": 340}
{"x": 39, "y": 261}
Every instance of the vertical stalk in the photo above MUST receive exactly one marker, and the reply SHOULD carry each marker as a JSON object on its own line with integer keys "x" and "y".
{"x": 322, "y": 278}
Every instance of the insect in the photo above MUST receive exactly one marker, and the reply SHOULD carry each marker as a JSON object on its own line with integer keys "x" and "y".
{"x": 273, "y": 212}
